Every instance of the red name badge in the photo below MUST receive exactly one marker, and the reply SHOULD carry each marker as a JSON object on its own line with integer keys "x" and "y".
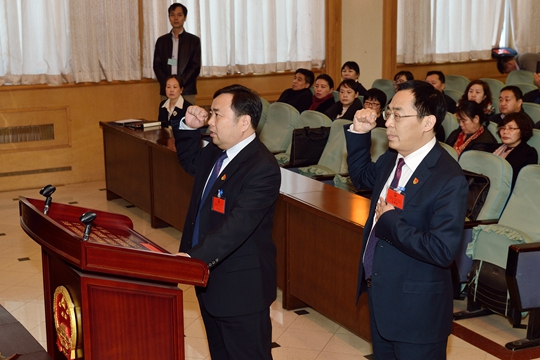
{"x": 218, "y": 204}
{"x": 395, "y": 198}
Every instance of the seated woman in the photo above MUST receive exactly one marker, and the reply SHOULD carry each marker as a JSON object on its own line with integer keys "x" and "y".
{"x": 348, "y": 103}
{"x": 401, "y": 77}
{"x": 472, "y": 132}
{"x": 351, "y": 70}
{"x": 174, "y": 108}
{"x": 323, "y": 98}
{"x": 375, "y": 100}
{"x": 514, "y": 131}
{"x": 479, "y": 91}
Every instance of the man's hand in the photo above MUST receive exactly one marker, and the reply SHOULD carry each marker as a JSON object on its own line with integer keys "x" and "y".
{"x": 364, "y": 121}
{"x": 196, "y": 117}
{"x": 382, "y": 207}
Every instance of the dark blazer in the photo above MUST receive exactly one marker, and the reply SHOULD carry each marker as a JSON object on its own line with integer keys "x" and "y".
{"x": 521, "y": 156}
{"x": 337, "y": 108}
{"x": 189, "y": 60}
{"x": 299, "y": 99}
{"x": 325, "y": 105}
{"x": 451, "y": 106}
{"x": 412, "y": 282}
{"x": 163, "y": 114}
{"x": 236, "y": 245}
{"x": 497, "y": 118}
{"x": 480, "y": 143}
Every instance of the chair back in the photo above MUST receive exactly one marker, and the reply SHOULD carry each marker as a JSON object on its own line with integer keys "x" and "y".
{"x": 495, "y": 86}
{"x": 456, "y": 82}
{"x": 281, "y": 120}
{"x": 533, "y": 110}
{"x": 520, "y": 77}
{"x": 525, "y": 88}
{"x": 334, "y": 155}
{"x": 449, "y": 124}
{"x": 499, "y": 172}
{"x": 387, "y": 86}
{"x": 454, "y": 94}
{"x": 264, "y": 115}
{"x": 313, "y": 119}
{"x": 522, "y": 211}
{"x": 534, "y": 141}
{"x": 494, "y": 130}
{"x": 336, "y": 95}
{"x": 379, "y": 142}
{"x": 450, "y": 149}
{"x": 495, "y": 102}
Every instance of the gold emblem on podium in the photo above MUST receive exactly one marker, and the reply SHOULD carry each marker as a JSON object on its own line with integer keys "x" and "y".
{"x": 65, "y": 322}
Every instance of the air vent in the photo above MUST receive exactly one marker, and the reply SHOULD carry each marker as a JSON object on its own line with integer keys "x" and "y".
{"x": 19, "y": 134}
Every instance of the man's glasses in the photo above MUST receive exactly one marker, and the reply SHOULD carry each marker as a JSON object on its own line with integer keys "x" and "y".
{"x": 389, "y": 113}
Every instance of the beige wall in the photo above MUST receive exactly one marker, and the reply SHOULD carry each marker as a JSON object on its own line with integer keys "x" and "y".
{"x": 362, "y": 32}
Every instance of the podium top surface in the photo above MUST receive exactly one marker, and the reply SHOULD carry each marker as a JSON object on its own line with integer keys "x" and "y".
{"x": 113, "y": 247}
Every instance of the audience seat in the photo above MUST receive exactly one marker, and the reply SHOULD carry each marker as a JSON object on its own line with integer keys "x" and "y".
{"x": 533, "y": 110}
{"x": 336, "y": 95}
{"x": 309, "y": 118}
{"x": 494, "y": 130}
{"x": 489, "y": 249}
{"x": 281, "y": 120}
{"x": 264, "y": 115}
{"x": 450, "y": 150}
{"x": 454, "y": 94}
{"x": 379, "y": 143}
{"x": 456, "y": 82}
{"x": 495, "y": 103}
{"x": 520, "y": 77}
{"x": 525, "y": 88}
{"x": 387, "y": 86}
{"x": 449, "y": 124}
{"x": 495, "y": 86}
{"x": 534, "y": 141}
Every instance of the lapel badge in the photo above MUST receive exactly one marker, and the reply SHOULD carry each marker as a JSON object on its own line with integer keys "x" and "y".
{"x": 415, "y": 181}
{"x": 223, "y": 177}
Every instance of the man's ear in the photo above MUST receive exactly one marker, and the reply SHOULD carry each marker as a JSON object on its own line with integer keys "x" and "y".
{"x": 429, "y": 122}
{"x": 245, "y": 122}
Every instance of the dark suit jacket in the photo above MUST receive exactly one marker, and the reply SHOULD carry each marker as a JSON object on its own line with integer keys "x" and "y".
{"x": 337, "y": 108}
{"x": 163, "y": 114}
{"x": 412, "y": 283}
{"x": 299, "y": 99}
{"x": 521, "y": 156}
{"x": 236, "y": 245}
{"x": 189, "y": 61}
{"x": 497, "y": 118}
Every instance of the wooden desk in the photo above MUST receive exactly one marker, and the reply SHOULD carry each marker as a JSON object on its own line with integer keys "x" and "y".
{"x": 317, "y": 228}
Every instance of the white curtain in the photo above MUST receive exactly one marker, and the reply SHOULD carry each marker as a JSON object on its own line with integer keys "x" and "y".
{"x": 526, "y": 25}
{"x": 105, "y": 40}
{"x": 447, "y": 30}
{"x": 34, "y": 42}
{"x": 244, "y": 36}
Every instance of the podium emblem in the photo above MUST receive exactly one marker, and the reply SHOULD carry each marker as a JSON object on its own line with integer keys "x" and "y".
{"x": 65, "y": 322}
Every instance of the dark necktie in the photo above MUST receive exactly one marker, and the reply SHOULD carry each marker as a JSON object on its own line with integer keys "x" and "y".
{"x": 372, "y": 240}
{"x": 209, "y": 184}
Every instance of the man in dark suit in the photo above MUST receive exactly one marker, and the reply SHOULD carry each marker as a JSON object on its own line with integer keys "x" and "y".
{"x": 178, "y": 53}
{"x": 414, "y": 228}
{"x": 230, "y": 226}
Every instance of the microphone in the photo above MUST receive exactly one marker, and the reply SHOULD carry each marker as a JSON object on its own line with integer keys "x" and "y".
{"x": 47, "y": 191}
{"x": 87, "y": 218}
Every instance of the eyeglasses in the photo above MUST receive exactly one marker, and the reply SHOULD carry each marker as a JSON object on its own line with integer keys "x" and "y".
{"x": 502, "y": 128}
{"x": 371, "y": 103}
{"x": 389, "y": 113}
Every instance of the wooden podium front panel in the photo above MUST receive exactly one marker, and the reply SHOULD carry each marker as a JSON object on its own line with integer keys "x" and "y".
{"x": 131, "y": 321}
{"x": 127, "y": 166}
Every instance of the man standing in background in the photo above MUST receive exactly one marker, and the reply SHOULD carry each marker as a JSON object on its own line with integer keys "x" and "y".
{"x": 178, "y": 53}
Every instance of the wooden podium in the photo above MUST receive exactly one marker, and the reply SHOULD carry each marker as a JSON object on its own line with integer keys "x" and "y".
{"x": 114, "y": 296}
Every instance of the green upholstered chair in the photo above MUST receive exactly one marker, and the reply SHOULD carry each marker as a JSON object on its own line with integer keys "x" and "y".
{"x": 534, "y": 141}
{"x": 385, "y": 85}
{"x": 450, "y": 150}
{"x": 520, "y": 77}
{"x": 495, "y": 86}
{"x": 379, "y": 143}
{"x": 309, "y": 118}
{"x": 518, "y": 224}
{"x": 525, "y": 88}
{"x": 533, "y": 110}
{"x": 454, "y": 94}
{"x": 281, "y": 120}
{"x": 264, "y": 115}
{"x": 456, "y": 82}
{"x": 494, "y": 130}
{"x": 334, "y": 157}
{"x": 449, "y": 124}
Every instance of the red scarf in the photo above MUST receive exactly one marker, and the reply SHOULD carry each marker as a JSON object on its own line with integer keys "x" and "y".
{"x": 462, "y": 141}
{"x": 316, "y": 102}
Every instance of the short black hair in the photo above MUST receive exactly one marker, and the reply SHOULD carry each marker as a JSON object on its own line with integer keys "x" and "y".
{"x": 308, "y": 74}
{"x": 408, "y": 75}
{"x": 501, "y": 63}
{"x": 326, "y": 78}
{"x": 524, "y": 123}
{"x": 440, "y": 74}
{"x": 175, "y": 5}
{"x": 244, "y": 102}
{"x": 516, "y": 90}
{"x": 471, "y": 109}
{"x": 427, "y": 100}
{"x": 376, "y": 94}
{"x": 353, "y": 65}
{"x": 350, "y": 83}
{"x": 180, "y": 82}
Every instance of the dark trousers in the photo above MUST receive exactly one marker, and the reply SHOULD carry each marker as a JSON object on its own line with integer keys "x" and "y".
{"x": 245, "y": 337}
{"x": 384, "y": 349}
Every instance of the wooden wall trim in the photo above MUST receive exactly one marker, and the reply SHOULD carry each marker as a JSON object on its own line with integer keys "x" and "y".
{"x": 389, "y": 38}
{"x": 333, "y": 21}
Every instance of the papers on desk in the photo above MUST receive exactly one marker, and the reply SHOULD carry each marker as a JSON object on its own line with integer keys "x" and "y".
{"x": 139, "y": 124}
